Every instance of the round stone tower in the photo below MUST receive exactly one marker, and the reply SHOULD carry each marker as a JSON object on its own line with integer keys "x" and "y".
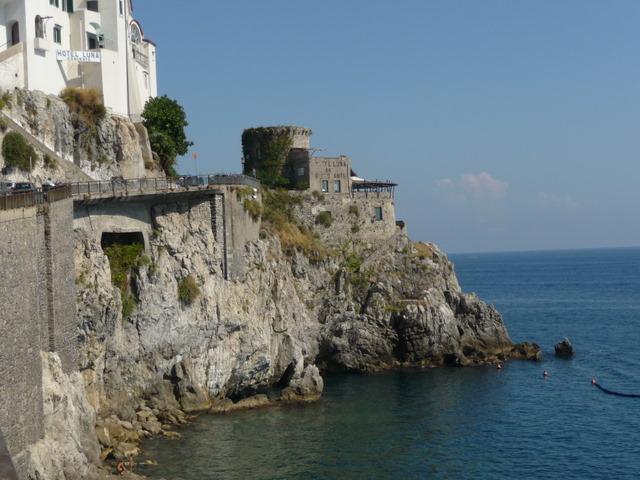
{"x": 266, "y": 150}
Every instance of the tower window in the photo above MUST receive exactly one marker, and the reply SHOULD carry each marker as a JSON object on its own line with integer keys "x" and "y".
{"x": 337, "y": 187}
{"x": 377, "y": 214}
{"x": 325, "y": 186}
{"x": 57, "y": 34}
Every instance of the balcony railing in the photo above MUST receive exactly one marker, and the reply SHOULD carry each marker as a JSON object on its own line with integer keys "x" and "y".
{"x": 141, "y": 58}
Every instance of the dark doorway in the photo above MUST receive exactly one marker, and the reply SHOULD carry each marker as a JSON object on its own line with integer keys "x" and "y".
{"x": 128, "y": 238}
{"x": 15, "y": 33}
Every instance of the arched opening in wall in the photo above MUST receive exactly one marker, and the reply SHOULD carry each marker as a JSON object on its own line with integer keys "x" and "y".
{"x": 15, "y": 33}
{"x": 121, "y": 238}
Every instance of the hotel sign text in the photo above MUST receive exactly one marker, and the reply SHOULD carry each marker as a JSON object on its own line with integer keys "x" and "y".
{"x": 78, "y": 56}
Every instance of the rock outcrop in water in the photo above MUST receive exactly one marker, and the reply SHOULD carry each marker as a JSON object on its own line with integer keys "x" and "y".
{"x": 564, "y": 349}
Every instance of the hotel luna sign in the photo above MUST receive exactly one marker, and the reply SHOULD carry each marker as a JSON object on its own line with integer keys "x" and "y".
{"x": 78, "y": 56}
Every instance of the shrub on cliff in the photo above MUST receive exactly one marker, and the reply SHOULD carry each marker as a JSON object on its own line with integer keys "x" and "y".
{"x": 123, "y": 259}
{"x": 325, "y": 219}
{"x": 17, "y": 152}
{"x": 188, "y": 290}
{"x": 85, "y": 103}
{"x": 253, "y": 208}
{"x": 166, "y": 120}
{"x": 278, "y": 217}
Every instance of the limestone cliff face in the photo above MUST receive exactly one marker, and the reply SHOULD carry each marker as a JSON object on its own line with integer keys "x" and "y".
{"x": 114, "y": 147}
{"x": 382, "y": 306}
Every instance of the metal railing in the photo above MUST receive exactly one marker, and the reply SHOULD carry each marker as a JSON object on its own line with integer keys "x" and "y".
{"x": 142, "y": 186}
{"x": 13, "y": 200}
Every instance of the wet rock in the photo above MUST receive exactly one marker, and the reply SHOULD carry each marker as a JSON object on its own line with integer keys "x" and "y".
{"x": 526, "y": 351}
{"x": 307, "y": 387}
{"x": 564, "y": 349}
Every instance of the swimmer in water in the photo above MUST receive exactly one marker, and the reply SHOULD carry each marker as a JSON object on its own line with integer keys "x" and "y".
{"x": 545, "y": 374}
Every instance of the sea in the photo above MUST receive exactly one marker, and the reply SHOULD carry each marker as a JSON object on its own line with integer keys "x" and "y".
{"x": 462, "y": 423}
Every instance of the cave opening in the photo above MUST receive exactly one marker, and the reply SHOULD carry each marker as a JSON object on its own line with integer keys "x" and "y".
{"x": 121, "y": 238}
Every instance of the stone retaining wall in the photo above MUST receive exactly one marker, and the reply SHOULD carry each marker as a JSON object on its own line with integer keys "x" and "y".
{"x": 352, "y": 217}
{"x": 37, "y": 296}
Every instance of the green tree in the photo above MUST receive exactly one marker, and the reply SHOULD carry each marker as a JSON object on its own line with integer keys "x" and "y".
{"x": 166, "y": 120}
{"x": 17, "y": 152}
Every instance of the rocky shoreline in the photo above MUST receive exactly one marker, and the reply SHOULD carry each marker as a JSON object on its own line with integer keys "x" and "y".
{"x": 293, "y": 317}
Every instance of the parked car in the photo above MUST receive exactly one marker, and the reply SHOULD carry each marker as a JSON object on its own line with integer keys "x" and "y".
{"x": 20, "y": 187}
{"x": 48, "y": 184}
{"x": 6, "y": 187}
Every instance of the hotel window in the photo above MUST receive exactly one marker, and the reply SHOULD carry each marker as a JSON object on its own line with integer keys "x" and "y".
{"x": 67, "y": 6}
{"x": 377, "y": 214}
{"x": 325, "y": 186}
{"x": 57, "y": 34}
{"x": 337, "y": 186}
{"x": 92, "y": 41}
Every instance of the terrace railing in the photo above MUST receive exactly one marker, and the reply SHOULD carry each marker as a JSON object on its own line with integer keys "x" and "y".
{"x": 149, "y": 186}
{"x": 13, "y": 200}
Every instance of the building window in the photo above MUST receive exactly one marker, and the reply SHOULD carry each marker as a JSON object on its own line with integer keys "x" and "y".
{"x": 67, "y": 6}
{"x": 55, "y": 3}
{"x": 39, "y": 27}
{"x": 92, "y": 41}
{"x": 325, "y": 186}
{"x": 136, "y": 34}
{"x": 300, "y": 172}
{"x": 337, "y": 187}
{"x": 377, "y": 214}
{"x": 15, "y": 33}
{"x": 93, "y": 5}
{"x": 57, "y": 34}
{"x": 121, "y": 7}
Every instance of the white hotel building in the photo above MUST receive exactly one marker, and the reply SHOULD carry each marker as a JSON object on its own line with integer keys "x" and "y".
{"x": 48, "y": 45}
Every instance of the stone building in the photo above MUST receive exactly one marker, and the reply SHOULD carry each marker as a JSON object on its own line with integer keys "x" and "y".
{"x": 52, "y": 44}
{"x": 359, "y": 208}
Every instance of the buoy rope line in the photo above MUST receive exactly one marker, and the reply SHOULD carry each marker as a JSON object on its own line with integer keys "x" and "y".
{"x": 611, "y": 392}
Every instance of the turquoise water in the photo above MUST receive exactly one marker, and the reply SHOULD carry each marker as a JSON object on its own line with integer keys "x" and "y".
{"x": 463, "y": 423}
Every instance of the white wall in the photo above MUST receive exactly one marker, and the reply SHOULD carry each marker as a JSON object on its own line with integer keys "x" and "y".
{"x": 44, "y": 73}
{"x": 126, "y": 84}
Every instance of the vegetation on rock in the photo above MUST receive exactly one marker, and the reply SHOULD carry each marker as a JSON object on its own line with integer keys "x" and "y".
{"x": 265, "y": 152}
{"x": 278, "y": 217}
{"x": 85, "y": 103}
{"x": 188, "y": 290}
{"x": 325, "y": 219}
{"x": 123, "y": 260}
{"x": 17, "y": 152}
{"x": 166, "y": 120}
{"x": 253, "y": 208}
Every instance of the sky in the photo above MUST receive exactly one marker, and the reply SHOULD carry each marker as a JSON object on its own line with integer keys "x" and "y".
{"x": 508, "y": 124}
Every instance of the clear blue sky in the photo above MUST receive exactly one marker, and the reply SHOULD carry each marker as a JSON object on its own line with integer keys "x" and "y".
{"x": 508, "y": 124}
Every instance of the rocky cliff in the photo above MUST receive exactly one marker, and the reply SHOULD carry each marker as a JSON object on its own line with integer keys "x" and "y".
{"x": 69, "y": 149}
{"x": 269, "y": 337}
